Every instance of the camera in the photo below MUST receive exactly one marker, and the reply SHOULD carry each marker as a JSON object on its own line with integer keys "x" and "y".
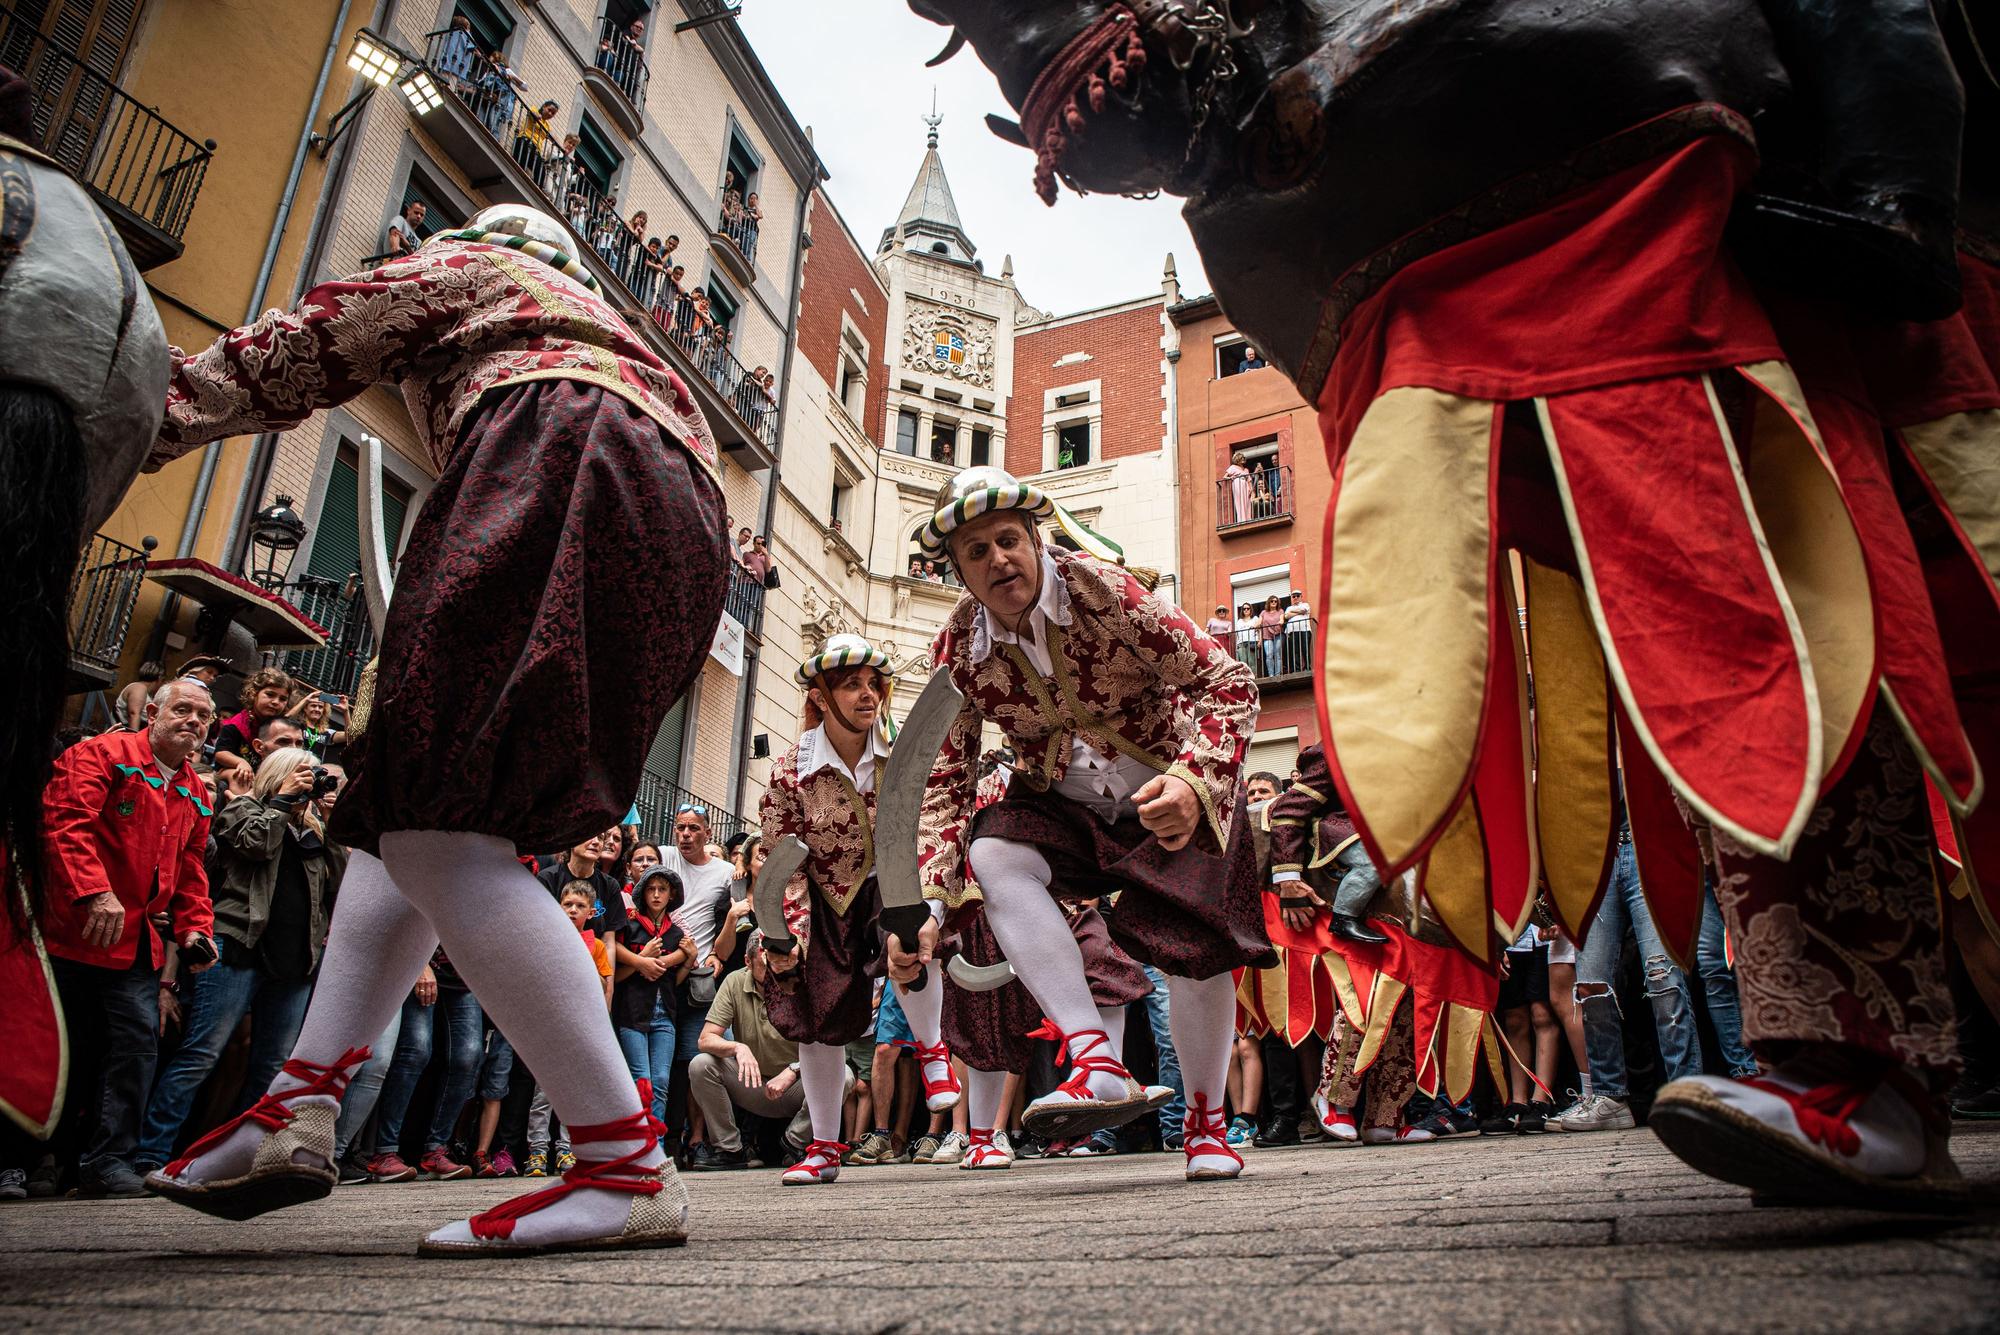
{"x": 325, "y": 781}
{"x": 201, "y": 950}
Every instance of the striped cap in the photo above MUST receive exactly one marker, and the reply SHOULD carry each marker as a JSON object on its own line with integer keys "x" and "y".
{"x": 559, "y": 260}
{"x": 842, "y": 651}
{"x": 976, "y": 492}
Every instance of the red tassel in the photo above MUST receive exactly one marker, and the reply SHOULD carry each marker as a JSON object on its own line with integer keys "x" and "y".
{"x": 1097, "y": 92}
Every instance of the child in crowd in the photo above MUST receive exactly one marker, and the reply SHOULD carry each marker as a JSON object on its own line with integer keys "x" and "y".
{"x": 578, "y": 904}
{"x": 652, "y": 956}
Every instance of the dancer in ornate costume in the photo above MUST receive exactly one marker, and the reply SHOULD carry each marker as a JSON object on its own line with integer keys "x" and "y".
{"x": 822, "y": 792}
{"x": 1379, "y": 946}
{"x": 1764, "y": 570}
{"x": 1129, "y": 725}
{"x": 493, "y": 728}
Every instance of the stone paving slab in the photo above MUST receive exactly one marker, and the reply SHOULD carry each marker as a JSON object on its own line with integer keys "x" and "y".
{"x": 1540, "y": 1234}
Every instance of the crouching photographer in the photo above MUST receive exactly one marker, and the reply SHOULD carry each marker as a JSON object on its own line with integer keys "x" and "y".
{"x": 272, "y": 890}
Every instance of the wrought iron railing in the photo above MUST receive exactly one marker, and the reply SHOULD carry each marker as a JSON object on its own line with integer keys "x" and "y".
{"x": 931, "y": 572}
{"x": 660, "y": 798}
{"x": 740, "y": 226}
{"x": 1287, "y": 653}
{"x": 499, "y": 103}
{"x": 128, "y": 154}
{"x": 1260, "y": 495}
{"x": 339, "y": 606}
{"x": 620, "y": 58}
{"x": 745, "y": 599}
{"x": 102, "y": 594}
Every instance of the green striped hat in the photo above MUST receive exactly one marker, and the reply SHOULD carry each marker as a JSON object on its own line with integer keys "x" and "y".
{"x": 842, "y": 651}
{"x": 553, "y": 256}
{"x": 975, "y": 492}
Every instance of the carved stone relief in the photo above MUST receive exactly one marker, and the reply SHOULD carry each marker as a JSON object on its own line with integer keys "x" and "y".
{"x": 948, "y": 342}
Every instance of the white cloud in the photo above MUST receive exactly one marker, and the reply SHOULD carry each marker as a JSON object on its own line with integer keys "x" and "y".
{"x": 854, "y": 72}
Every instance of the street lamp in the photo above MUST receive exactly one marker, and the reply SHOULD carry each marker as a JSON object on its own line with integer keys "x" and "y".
{"x": 373, "y": 59}
{"x": 275, "y": 534}
{"x": 420, "y": 90}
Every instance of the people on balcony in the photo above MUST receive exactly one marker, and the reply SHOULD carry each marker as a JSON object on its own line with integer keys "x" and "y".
{"x": 405, "y": 231}
{"x": 1248, "y": 650}
{"x": 560, "y": 174}
{"x": 1262, "y": 506}
{"x": 1298, "y": 633}
{"x": 535, "y": 145}
{"x": 499, "y": 94}
{"x": 457, "y": 56}
{"x": 1271, "y": 635}
{"x": 1238, "y": 477}
{"x": 1220, "y": 626}
{"x": 621, "y": 55}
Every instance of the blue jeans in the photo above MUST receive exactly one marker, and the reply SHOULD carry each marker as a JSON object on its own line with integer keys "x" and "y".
{"x": 1624, "y": 907}
{"x": 1718, "y": 988}
{"x": 220, "y": 997}
{"x": 365, "y": 1089}
{"x": 650, "y": 1056}
{"x": 1174, "y": 1114}
{"x": 464, "y": 1033}
{"x": 498, "y": 1068}
{"x": 687, "y": 1030}
{"x": 1273, "y": 657}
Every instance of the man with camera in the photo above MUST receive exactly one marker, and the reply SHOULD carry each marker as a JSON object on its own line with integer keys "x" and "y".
{"x": 126, "y": 827}
{"x": 275, "y": 876}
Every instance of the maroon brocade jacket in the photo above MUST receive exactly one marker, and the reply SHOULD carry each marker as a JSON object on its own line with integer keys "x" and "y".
{"x": 1308, "y": 824}
{"x": 448, "y": 323}
{"x": 1133, "y": 676}
{"x": 811, "y": 796}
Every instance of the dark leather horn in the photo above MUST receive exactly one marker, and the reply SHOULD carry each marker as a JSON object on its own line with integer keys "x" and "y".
{"x": 1011, "y": 131}
{"x": 950, "y": 49}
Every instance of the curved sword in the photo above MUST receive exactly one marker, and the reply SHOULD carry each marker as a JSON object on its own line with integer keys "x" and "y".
{"x": 376, "y": 581}
{"x": 979, "y": 977}
{"x": 899, "y": 804}
{"x": 767, "y": 893}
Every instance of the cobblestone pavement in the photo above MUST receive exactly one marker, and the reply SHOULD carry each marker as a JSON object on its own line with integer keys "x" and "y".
{"x": 1536, "y": 1234}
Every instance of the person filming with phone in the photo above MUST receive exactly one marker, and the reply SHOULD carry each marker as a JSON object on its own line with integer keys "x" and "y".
{"x": 126, "y": 823}
{"x": 275, "y": 877}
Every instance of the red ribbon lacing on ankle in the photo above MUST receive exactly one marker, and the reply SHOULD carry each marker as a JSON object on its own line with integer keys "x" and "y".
{"x": 1109, "y": 54}
{"x": 1823, "y": 1112}
{"x": 270, "y": 1111}
{"x": 830, "y": 1150}
{"x": 1082, "y": 1064}
{"x": 1206, "y": 1122}
{"x": 939, "y": 1053}
{"x": 620, "y": 1174}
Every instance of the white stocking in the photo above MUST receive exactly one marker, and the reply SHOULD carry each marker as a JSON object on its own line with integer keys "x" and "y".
{"x": 1031, "y": 929}
{"x": 509, "y": 940}
{"x": 823, "y": 1071}
{"x": 376, "y": 946}
{"x": 1201, "y": 1012}
{"x": 925, "y": 1011}
{"x": 983, "y": 1090}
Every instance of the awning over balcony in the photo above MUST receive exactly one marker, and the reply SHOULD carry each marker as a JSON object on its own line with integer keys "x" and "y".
{"x": 276, "y": 623}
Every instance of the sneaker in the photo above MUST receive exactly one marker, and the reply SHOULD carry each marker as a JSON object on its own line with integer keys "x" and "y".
{"x": 705, "y": 1158}
{"x": 438, "y": 1166}
{"x": 1310, "y": 1130}
{"x": 952, "y": 1148}
{"x": 819, "y": 1165}
{"x": 503, "y": 1164}
{"x": 44, "y": 1178}
{"x": 1506, "y": 1122}
{"x": 1394, "y": 1135}
{"x": 538, "y": 1165}
{"x": 1463, "y": 1123}
{"x": 1976, "y": 1105}
{"x": 390, "y": 1168}
{"x": 1173, "y": 1142}
{"x": 1058, "y": 1149}
{"x": 1446, "y": 1123}
{"x": 1275, "y": 1132}
{"x": 1095, "y": 1145}
{"x": 1027, "y": 1146}
{"x": 924, "y": 1149}
{"x": 1535, "y": 1118}
{"x": 564, "y": 1160}
{"x": 1818, "y": 1129}
{"x": 13, "y": 1184}
{"x": 1241, "y": 1132}
{"x": 353, "y": 1172}
{"x": 114, "y": 1177}
{"x": 1599, "y": 1112}
{"x": 875, "y": 1148}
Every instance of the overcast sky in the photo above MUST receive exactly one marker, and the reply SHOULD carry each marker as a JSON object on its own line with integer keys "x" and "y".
{"x": 854, "y": 71}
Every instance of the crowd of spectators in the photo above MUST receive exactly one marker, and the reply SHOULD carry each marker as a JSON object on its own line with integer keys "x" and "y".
{"x": 194, "y": 851}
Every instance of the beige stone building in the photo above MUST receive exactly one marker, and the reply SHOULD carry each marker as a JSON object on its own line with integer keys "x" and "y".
{"x": 915, "y": 361}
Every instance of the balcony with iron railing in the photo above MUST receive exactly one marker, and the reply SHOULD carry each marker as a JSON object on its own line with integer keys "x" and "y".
{"x": 144, "y": 172}
{"x": 618, "y": 78}
{"x": 1283, "y": 659}
{"x": 1258, "y": 499}
{"x": 488, "y": 128}
{"x": 660, "y": 798}
{"x": 102, "y": 594}
{"x": 744, "y": 600}
{"x": 339, "y": 606}
{"x": 735, "y": 241}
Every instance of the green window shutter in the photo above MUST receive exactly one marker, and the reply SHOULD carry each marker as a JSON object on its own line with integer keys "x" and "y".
{"x": 336, "y": 549}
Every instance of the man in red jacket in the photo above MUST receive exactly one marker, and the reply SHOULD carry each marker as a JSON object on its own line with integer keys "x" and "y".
{"x": 126, "y": 827}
